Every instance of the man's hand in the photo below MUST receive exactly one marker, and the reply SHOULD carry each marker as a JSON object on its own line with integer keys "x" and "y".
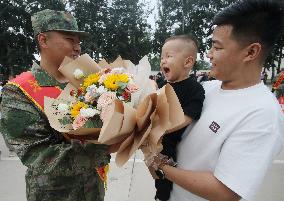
{"x": 159, "y": 160}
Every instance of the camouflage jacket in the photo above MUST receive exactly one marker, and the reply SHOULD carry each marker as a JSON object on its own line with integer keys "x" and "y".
{"x": 42, "y": 149}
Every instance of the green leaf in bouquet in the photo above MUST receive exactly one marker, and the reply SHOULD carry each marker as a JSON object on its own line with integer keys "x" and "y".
{"x": 122, "y": 85}
{"x": 65, "y": 120}
{"x": 94, "y": 122}
{"x": 119, "y": 92}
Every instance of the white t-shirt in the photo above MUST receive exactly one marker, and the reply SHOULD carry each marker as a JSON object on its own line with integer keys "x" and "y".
{"x": 237, "y": 137}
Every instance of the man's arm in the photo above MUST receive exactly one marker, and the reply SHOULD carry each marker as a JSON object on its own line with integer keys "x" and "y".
{"x": 36, "y": 143}
{"x": 201, "y": 183}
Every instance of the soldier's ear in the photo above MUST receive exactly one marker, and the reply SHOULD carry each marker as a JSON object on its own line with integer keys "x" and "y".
{"x": 42, "y": 40}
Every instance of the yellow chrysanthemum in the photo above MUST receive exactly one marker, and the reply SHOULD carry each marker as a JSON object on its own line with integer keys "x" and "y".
{"x": 75, "y": 110}
{"x": 122, "y": 78}
{"x": 110, "y": 82}
{"x": 91, "y": 79}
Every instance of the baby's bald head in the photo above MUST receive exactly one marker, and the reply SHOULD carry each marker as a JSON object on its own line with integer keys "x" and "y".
{"x": 187, "y": 43}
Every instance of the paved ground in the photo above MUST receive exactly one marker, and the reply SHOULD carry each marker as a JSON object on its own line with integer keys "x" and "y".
{"x": 132, "y": 182}
{"x": 129, "y": 183}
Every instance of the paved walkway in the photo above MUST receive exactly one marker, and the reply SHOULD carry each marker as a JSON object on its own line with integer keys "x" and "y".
{"x": 132, "y": 182}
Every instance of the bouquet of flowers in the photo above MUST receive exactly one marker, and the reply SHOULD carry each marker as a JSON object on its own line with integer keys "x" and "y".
{"x": 85, "y": 105}
{"x": 96, "y": 94}
{"x": 105, "y": 103}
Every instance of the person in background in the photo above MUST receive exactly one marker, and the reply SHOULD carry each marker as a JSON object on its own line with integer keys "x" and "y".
{"x": 160, "y": 79}
{"x": 203, "y": 77}
{"x": 227, "y": 152}
{"x": 57, "y": 168}
{"x": 265, "y": 77}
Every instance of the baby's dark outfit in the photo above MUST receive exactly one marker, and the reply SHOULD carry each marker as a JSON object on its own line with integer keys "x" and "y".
{"x": 191, "y": 96}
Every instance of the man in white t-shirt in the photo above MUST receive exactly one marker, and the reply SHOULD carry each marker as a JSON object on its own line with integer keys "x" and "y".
{"x": 225, "y": 155}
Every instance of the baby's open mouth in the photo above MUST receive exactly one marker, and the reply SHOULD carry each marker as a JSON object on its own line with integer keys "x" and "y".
{"x": 166, "y": 70}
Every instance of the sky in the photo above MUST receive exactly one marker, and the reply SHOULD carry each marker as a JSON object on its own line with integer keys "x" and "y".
{"x": 151, "y": 18}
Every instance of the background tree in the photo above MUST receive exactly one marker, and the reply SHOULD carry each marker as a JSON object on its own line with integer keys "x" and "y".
{"x": 117, "y": 27}
{"x": 201, "y": 65}
{"x": 164, "y": 23}
{"x": 127, "y": 31}
{"x": 195, "y": 17}
{"x": 189, "y": 17}
{"x": 15, "y": 41}
{"x": 154, "y": 60}
{"x": 92, "y": 17}
{"x": 274, "y": 60}
{"x": 164, "y": 28}
{"x": 16, "y": 35}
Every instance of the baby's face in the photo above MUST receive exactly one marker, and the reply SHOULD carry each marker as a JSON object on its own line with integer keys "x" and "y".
{"x": 173, "y": 60}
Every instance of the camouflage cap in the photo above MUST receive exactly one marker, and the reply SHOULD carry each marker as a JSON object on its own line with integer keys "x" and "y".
{"x": 51, "y": 20}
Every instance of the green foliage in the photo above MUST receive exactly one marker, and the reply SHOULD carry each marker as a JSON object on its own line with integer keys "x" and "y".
{"x": 14, "y": 38}
{"x": 201, "y": 65}
{"x": 164, "y": 24}
{"x": 127, "y": 32}
{"x": 65, "y": 120}
{"x": 117, "y": 27}
{"x": 187, "y": 17}
{"x": 154, "y": 62}
{"x": 92, "y": 17}
{"x": 94, "y": 122}
{"x": 274, "y": 60}
{"x": 195, "y": 17}
{"x": 122, "y": 85}
{"x": 16, "y": 35}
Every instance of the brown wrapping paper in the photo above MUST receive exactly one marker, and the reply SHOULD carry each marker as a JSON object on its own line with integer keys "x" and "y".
{"x": 84, "y": 62}
{"x": 121, "y": 123}
{"x": 50, "y": 109}
{"x": 153, "y": 120}
{"x": 140, "y": 127}
{"x": 135, "y": 140}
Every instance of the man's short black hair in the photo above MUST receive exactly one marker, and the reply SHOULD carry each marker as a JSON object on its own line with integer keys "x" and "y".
{"x": 254, "y": 21}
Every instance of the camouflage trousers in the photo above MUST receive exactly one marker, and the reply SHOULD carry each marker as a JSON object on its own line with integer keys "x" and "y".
{"x": 85, "y": 187}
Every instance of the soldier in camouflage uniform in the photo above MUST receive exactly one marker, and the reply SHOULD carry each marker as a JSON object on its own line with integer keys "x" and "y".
{"x": 58, "y": 169}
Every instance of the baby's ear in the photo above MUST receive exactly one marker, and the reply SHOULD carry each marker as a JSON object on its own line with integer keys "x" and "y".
{"x": 189, "y": 62}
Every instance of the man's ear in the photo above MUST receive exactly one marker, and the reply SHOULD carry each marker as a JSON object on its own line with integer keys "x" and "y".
{"x": 42, "y": 40}
{"x": 253, "y": 51}
{"x": 189, "y": 62}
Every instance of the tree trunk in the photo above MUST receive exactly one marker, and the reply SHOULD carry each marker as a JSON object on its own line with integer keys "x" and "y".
{"x": 273, "y": 73}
